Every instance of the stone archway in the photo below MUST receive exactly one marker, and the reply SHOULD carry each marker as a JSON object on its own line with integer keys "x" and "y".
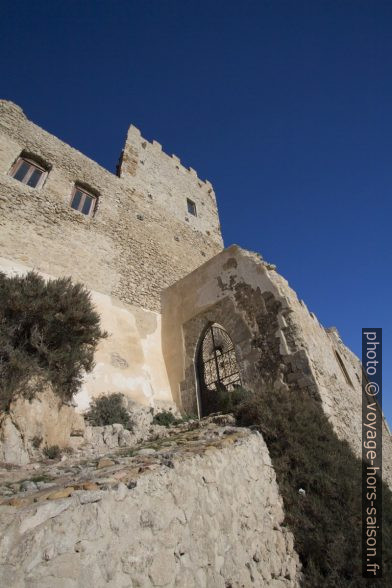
{"x": 217, "y": 368}
{"x": 223, "y": 314}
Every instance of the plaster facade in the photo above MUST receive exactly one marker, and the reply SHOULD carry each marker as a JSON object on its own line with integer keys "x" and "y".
{"x": 130, "y": 359}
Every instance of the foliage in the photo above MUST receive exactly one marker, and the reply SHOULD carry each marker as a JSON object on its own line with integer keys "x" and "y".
{"x": 52, "y": 452}
{"x": 326, "y": 522}
{"x": 49, "y": 331}
{"x": 109, "y": 410}
{"x": 164, "y": 418}
{"x": 223, "y": 400}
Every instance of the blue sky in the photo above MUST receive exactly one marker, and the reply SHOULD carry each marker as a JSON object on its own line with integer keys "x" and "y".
{"x": 286, "y": 107}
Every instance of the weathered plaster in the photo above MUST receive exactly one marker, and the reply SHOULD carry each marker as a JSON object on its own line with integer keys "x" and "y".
{"x": 130, "y": 359}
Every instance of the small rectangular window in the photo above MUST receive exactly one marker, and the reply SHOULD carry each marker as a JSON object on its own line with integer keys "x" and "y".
{"x": 83, "y": 201}
{"x": 28, "y": 172}
{"x": 191, "y": 207}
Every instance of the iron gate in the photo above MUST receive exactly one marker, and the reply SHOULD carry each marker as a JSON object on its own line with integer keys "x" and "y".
{"x": 217, "y": 368}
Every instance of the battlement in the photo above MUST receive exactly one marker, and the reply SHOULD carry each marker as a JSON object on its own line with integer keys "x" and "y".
{"x": 136, "y": 139}
{"x": 143, "y": 165}
{"x": 164, "y": 179}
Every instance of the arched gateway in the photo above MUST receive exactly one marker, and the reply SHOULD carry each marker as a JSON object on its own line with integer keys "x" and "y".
{"x": 216, "y": 367}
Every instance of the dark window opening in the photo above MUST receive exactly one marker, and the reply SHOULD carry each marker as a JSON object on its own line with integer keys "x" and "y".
{"x": 28, "y": 172}
{"x": 191, "y": 207}
{"x": 83, "y": 202}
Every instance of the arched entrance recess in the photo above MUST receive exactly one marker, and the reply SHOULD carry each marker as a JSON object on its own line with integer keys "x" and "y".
{"x": 217, "y": 367}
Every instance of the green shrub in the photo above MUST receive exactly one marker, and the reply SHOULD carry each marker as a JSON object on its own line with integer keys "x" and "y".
{"x": 326, "y": 522}
{"x": 164, "y": 418}
{"x": 49, "y": 331}
{"x": 109, "y": 410}
{"x": 223, "y": 400}
{"x": 52, "y": 452}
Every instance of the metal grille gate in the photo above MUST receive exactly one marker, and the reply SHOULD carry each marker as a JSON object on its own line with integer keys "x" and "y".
{"x": 217, "y": 368}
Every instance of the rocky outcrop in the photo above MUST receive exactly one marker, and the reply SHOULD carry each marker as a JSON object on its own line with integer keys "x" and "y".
{"x": 97, "y": 440}
{"x": 12, "y": 447}
{"x": 50, "y": 422}
{"x": 201, "y": 508}
{"x": 43, "y": 421}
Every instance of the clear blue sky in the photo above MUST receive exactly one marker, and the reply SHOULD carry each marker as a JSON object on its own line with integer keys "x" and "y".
{"x": 286, "y": 107}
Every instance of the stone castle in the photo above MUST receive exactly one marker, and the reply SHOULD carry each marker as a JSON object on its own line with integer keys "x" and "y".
{"x": 150, "y": 249}
{"x": 184, "y": 313}
{"x": 148, "y": 245}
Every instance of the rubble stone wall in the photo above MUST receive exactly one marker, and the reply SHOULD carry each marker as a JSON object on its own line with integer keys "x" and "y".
{"x": 214, "y": 518}
{"x": 140, "y": 238}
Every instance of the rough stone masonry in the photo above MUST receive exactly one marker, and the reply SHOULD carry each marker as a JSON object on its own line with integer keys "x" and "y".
{"x": 165, "y": 517}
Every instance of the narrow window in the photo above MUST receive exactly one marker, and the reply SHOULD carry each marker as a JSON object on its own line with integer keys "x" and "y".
{"x": 343, "y": 368}
{"x": 191, "y": 207}
{"x": 28, "y": 172}
{"x": 83, "y": 202}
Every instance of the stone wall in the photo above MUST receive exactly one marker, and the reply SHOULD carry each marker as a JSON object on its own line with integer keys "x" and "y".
{"x": 167, "y": 182}
{"x": 278, "y": 342}
{"x": 140, "y": 238}
{"x": 212, "y": 518}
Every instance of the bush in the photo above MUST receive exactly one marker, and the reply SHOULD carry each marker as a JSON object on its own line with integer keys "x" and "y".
{"x": 109, "y": 410}
{"x": 52, "y": 452}
{"x": 49, "y": 331}
{"x": 164, "y": 418}
{"x": 223, "y": 400}
{"x": 306, "y": 453}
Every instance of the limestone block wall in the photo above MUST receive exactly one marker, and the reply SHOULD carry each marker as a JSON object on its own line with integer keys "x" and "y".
{"x": 137, "y": 242}
{"x": 213, "y": 519}
{"x": 278, "y": 342}
{"x": 164, "y": 179}
{"x": 130, "y": 359}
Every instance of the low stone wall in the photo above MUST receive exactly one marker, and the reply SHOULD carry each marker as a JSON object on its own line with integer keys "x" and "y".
{"x": 211, "y": 515}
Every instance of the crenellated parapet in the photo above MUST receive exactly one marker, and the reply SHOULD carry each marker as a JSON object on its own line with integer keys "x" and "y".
{"x": 163, "y": 179}
{"x": 135, "y": 141}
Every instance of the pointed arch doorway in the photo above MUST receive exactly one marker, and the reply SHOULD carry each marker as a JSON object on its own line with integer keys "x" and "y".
{"x": 217, "y": 367}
